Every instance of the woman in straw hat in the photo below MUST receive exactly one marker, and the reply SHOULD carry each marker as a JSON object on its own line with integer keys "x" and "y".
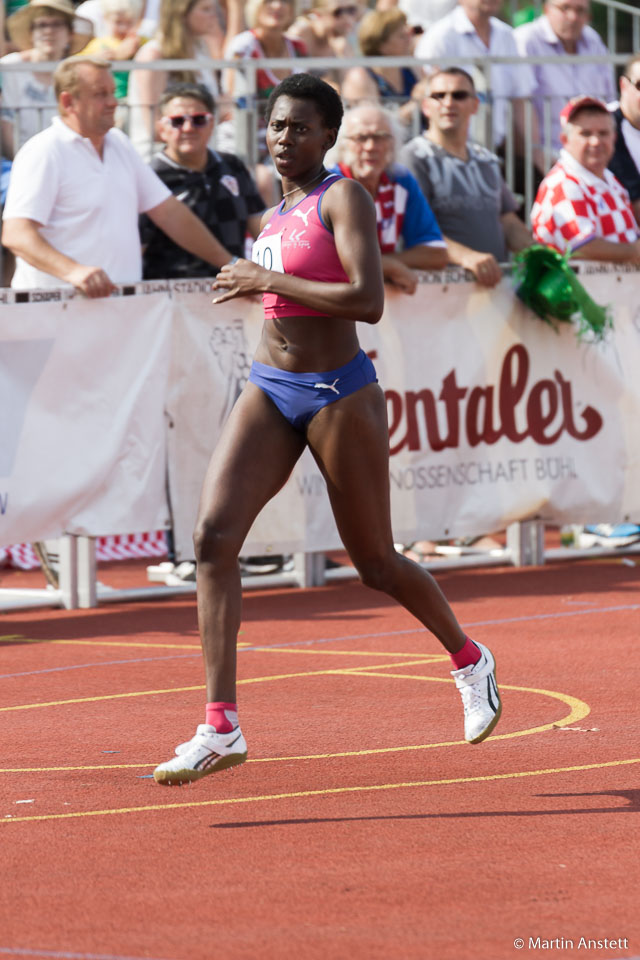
{"x": 43, "y": 33}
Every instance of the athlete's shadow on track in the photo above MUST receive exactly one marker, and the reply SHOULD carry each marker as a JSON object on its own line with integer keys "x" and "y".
{"x": 631, "y": 796}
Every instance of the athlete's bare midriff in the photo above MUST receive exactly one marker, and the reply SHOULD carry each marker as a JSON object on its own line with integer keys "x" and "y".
{"x": 307, "y": 344}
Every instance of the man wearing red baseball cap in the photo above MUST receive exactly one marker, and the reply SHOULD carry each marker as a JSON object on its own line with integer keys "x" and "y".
{"x": 581, "y": 207}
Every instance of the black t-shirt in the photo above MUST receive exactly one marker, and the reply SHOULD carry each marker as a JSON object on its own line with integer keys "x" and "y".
{"x": 223, "y": 196}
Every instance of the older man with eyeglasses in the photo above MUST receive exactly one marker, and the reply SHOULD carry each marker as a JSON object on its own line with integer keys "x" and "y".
{"x": 563, "y": 31}
{"x": 408, "y": 233}
{"x": 625, "y": 163}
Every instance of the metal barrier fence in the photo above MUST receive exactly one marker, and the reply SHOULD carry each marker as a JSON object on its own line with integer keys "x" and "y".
{"x": 246, "y": 118}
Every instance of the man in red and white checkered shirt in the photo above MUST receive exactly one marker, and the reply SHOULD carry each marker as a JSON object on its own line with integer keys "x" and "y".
{"x": 581, "y": 207}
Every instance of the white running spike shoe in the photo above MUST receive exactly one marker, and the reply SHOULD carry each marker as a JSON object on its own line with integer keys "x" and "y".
{"x": 480, "y": 697}
{"x": 206, "y": 752}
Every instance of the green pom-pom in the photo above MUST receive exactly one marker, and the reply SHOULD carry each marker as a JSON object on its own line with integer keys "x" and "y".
{"x": 549, "y": 287}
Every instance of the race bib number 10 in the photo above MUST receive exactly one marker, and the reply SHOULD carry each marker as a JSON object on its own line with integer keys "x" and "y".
{"x": 267, "y": 252}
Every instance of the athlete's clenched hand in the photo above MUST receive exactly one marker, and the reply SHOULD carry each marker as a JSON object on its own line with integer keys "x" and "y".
{"x": 239, "y": 279}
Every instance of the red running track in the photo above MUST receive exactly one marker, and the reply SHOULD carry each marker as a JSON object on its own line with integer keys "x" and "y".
{"x": 362, "y": 826}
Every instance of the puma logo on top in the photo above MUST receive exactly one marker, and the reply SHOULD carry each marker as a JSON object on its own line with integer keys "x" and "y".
{"x": 303, "y": 216}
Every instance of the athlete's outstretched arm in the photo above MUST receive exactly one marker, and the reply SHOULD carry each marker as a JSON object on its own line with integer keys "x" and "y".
{"x": 348, "y": 211}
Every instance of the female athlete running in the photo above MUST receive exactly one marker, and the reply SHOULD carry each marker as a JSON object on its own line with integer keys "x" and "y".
{"x": 317, "y": 265}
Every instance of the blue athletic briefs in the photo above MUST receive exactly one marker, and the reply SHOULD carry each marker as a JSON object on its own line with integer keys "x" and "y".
{"x": 299, "y": 396}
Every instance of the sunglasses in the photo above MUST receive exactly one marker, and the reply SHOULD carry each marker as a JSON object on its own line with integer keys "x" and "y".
{"x": 454, "y": 94}
{"x": 196, "y": 119}
{"x": 634, "y": 83}
{"x": 345, "y": 12}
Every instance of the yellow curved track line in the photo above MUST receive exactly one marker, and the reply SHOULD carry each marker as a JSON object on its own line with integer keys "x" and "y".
{"x": 331, "y": 791}
{"x": 578, "y": 711}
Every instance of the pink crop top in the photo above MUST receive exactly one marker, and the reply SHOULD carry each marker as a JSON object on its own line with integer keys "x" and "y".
{"x": 299, "y": 243}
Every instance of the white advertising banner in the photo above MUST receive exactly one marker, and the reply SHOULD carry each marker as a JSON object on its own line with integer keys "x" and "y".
{"x": 82, "y": 431}
{"x": 494, "y": 416}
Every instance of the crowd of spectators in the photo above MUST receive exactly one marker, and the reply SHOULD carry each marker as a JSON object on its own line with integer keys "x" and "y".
{"x": 469, "y": 117}
{"x": 429, "y": 145}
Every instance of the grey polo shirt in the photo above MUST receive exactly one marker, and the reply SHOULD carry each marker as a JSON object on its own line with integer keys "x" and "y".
{"x": 468, "y": 197}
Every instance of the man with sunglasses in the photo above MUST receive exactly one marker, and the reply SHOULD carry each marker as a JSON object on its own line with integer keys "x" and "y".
{"x": 625, "y": 163}
{"x": 463, "y": 181}
{"x": 217, "y": 187}
{"x": 563, "y": 30}
{"x": 76, "y": 191}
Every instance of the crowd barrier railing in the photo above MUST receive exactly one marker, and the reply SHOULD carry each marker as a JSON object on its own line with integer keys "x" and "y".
{"x": 246, "y": 119}
{"x": 110, "y": 410}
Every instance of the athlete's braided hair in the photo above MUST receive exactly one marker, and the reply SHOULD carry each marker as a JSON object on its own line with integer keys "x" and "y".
{"x": 303, "y": 86}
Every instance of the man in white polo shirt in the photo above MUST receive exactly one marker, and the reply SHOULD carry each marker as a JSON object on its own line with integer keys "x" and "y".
{"x": 77, "y": 189}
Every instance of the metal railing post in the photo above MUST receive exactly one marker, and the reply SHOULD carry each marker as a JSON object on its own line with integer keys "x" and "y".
{"x": 612, "y": 41}
{"x": 528, "y": 157}
{"x": 68, "y": 572}
{"x": 509, "y": 148}
{"x": 87, "y": 572}
{"x": 310, "y": 569}
{"x": 525, "y": 542}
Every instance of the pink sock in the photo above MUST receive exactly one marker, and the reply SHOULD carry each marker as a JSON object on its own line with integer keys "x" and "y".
{"x": 469, "y": 654}
{"x": 222, "y": 716}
